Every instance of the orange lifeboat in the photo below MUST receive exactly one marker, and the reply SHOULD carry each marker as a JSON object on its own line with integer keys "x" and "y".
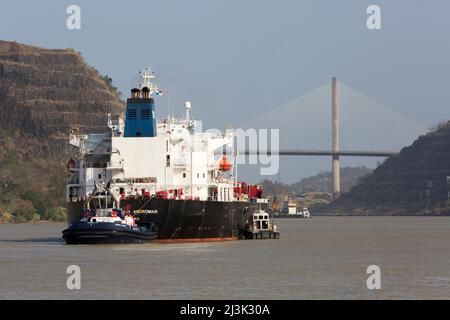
{"x": 224, "y": 165}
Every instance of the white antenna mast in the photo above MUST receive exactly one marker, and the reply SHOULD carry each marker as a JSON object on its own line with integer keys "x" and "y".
{"x": 146, "y": 76}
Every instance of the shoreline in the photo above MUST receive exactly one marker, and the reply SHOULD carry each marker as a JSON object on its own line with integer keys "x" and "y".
{"x": 34, "y": 222}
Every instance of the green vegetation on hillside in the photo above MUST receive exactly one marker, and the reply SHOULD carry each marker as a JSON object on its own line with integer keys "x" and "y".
{"x": 28, "y": 184}
{"x": 109, "y": 81}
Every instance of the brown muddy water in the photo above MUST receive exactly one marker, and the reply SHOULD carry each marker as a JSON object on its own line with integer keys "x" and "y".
{"x": 319, "y": 258}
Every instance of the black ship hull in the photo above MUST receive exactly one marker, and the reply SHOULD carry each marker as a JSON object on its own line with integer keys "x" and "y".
{"x": 186, "y": 220}
{"x": 102, "y": 233}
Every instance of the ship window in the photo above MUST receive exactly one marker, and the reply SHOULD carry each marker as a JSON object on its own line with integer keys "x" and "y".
{"x": 131, "y": 113}
{"x": 145, "y": 114}
{"x": 203, "y": 175}
{"x": 198, "y": 175}
{"x": 184, "y": 175}
{"x": 168, "y": 160}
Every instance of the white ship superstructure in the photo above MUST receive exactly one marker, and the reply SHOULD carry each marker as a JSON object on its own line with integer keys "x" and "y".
{"x": 140, "y": 156}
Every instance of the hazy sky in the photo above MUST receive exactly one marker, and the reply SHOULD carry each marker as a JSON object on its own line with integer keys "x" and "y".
{"x": 236, "y": 59}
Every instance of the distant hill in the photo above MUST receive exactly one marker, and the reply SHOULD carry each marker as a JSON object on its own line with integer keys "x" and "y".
{"x": 318, "y": 183}
{"x": 416, "y": 181}
{"x": 43, "y": 93}
{"x": 322, "y": 182}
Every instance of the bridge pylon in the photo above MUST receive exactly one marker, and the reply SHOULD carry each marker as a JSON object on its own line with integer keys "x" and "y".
{"x": 335, "y": 166}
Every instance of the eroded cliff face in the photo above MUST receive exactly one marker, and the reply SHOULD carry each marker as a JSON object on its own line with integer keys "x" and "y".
{"x": 44, "y": 93}
{"x": 412, "y": 182}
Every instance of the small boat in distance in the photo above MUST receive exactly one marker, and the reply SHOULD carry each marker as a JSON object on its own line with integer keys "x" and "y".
{"x": 103, "y": 222}
{"x": 304, "y": 213}
{"x": 290, "y": 210}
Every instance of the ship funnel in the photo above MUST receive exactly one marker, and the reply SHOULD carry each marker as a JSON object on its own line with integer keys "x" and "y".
{"x": 140, "y": 118}
{"x": 145, "y": 92}
{"x": 135, "y": 93}
{"x": 187, "y": 106}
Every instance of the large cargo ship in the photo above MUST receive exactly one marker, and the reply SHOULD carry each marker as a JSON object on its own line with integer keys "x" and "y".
{"x": 164, "y": 173}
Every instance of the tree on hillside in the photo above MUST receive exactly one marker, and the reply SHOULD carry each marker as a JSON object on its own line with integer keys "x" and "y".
{"x": 109, "y": 82}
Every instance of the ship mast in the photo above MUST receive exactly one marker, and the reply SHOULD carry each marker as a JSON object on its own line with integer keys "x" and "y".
{"x": 146, "y": 76}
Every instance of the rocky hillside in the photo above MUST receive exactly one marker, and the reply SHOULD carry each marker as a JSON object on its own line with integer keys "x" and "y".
{"x": 43, "y": 93}
{"x": 416, "y": 181}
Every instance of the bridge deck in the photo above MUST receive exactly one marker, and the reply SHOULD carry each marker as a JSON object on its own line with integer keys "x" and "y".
{"x": 300, "y": 152}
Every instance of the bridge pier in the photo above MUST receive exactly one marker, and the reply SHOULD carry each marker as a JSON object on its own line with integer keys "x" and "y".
{"x": 336, "y": 177}
{"x": 335, "y": 166}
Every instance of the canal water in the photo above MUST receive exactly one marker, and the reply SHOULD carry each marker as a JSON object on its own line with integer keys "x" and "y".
{"x": 318, "y": 258}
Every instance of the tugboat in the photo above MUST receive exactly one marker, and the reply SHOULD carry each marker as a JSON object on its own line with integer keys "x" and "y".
{"x": 260, "y": 226}
{"x": 103, "y": 222}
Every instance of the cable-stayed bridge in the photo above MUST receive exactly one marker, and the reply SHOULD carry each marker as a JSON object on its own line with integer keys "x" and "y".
{"x": 382, "y": 121}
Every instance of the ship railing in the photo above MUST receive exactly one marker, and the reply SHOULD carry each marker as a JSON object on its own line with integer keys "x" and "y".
{"x": 213, "y": 135}
{"x": 173, "y": 120}
{"x": 176, "y": 136}
{"x": 216, "y": 198}
{"x": 114, "y": 165}
{"x": 179, "y": 162}
{"x": 137, "y": 188}
{"x": 221, "y": 179}
{"x": 95, "y": 165}
{"x": 143, "y": 180}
